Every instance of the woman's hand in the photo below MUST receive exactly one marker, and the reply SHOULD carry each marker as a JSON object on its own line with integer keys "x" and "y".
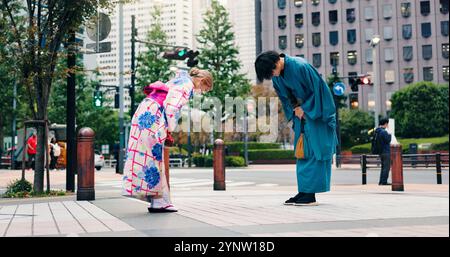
{"x": 299, "y": 112}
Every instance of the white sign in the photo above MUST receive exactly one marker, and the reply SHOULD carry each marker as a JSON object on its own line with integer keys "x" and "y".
{"x": 105, "y": 149}
{"x": 391, "y": 130}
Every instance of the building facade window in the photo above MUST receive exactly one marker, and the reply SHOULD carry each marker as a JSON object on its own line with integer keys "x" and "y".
{"x": 368, "y": 34}
{"x": 405, "y": 9}
{"x": 444, "y": 28}
{"x": 407, "y": 31}
{"x": 315, "y": 2}
{"x": 281, "y": 4}
{"x": 427, "y": 52}
{"x": 389, "y": 54}
{"x": 282, "y": 22}
{"x": 315, "y": 18}
{"x": 408, "y": 75}
{"x": 334, "y": 38}
{"x": 387, "y": 11}
{"x": 425, "y": 7}
{"x": 351, "y": 16}
{"x": 351, "y": 36}
{"x": 443, "y": 6}
{"x": 332, "y": 1}
{"x": 408, "y": 53}
{"x": 334, "y": 58}
{"x": 369, "y": 13}
{"x": 354, "y": 103}
{"x": 388, "y": 33}
{"x": 426, "y": 29}
{"x": 445, "y": 73}
{"x": 333, "y": 16}
{"x": 445, "y": 50}
{"x": 428, "y": 73}
{"x": 282, "y": 42}
{"x": 389, "y": 76}
{"x": 299, "y": 40}
{"x": 298, "y": 3}
{"x": 316, "y": 39}
{"x": 317, "y": 60}
{"x": 352, "y": 57}
{"x": 369, "y": 55}
{"x": 299, "y": 20}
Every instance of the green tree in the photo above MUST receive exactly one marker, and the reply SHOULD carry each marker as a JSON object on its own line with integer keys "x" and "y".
{"x": 150, "y": 66}
{"x": 48, "y": 22}
{"x": 103, "y": 121}
{"x": 355, "y": 125}
{"x": 421, "y": 110}
{"x": 218, "y": 54}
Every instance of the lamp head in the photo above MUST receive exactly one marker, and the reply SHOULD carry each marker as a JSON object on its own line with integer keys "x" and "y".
{"x": 375, "y": 40}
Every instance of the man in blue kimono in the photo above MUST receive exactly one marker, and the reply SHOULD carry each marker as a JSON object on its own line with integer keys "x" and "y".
{"x": 306, "y": 98}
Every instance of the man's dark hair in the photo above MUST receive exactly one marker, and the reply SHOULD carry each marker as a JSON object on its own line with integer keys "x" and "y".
{"x": 383, "y": 121}
{"x": 265, "y": 64}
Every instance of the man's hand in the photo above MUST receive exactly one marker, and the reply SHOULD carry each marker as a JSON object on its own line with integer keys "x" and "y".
{"x": 299, "y": 112}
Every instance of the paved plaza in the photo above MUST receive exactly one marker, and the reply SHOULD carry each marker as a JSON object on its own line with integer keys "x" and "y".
{"x": 245, "y": 209}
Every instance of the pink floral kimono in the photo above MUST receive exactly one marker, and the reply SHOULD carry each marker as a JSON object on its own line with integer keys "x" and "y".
{"x": 158, "y": 113}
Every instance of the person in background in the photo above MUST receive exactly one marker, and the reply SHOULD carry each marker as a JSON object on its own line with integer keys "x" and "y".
{"x": 385, "y": 144}
{"x": 31, "y": 151}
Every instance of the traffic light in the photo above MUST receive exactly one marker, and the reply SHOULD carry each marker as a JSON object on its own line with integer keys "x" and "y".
{"x": 176, "y": 54}
{"x": 98, "y": 99}
{"x": 358, "y": 80}
{"x": 192, "y": 62}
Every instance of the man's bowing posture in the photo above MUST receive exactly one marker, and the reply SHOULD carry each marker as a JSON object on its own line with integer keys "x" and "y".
{"x": 306, "y": 99}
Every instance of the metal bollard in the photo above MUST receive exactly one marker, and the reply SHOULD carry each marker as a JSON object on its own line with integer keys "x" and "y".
{"x": 397, "y": 168}
{"x": 166, "y": 164}
{"x": 86, "y": 165}
{"x": 219, "y": 165}
{"x": 364, "y": 169}
{"x": 438, "y": 169}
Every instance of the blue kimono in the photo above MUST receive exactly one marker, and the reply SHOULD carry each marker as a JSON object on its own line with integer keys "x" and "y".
{"x": 301, "y": 84}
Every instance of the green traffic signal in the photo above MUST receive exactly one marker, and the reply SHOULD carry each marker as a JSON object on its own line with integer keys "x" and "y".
{"x": 182, "y": 53}
{"x": 98, "y": 99}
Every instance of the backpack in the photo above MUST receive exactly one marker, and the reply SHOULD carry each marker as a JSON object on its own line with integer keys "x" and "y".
{"x": 377, "y": 147}
{"x": 56, "y": 150}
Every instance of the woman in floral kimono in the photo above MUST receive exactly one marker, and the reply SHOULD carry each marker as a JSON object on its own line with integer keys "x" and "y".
{"x": 157, "y": 115}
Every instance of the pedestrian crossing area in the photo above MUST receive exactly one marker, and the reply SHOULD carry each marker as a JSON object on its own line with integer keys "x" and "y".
{"x": 188, "y": 183}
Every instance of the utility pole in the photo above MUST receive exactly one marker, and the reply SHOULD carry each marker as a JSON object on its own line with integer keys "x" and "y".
{"x": 71, "y": 107}
{"x": 13, "y": 136}
{"x": 133, "y": 65}
{"x": 121, "y": 90}
{"x": 338, "y": 129}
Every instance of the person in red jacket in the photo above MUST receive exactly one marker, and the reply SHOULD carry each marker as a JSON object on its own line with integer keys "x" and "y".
{"x": 31, "y": 151}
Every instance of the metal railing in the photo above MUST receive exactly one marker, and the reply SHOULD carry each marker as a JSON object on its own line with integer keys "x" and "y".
{"x": 437, "y": 160}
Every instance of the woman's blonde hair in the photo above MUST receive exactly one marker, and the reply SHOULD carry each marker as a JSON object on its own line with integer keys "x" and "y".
{"x": 207, "y": 77}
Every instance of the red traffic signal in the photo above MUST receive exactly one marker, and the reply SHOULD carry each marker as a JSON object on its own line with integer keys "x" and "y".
{"x": 359, "y": 80}
{"x": 365, "y": 80}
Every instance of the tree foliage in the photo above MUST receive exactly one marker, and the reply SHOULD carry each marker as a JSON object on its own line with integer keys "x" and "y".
{"x": 150, "y": 66}
{"x": 39, "y": 29}
{"x": 355, "y": 125}
{"x": 219, "y": 54}
{"x": 421, "y": 110}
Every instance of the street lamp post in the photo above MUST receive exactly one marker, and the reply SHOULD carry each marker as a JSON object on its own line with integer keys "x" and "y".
{"x": 376, "y": 84}
{"x": 121, "y": 90}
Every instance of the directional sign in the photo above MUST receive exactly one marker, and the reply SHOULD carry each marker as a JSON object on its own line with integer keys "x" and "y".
{"x": 339, "y": 88}
{"x": 103, "y": 47}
